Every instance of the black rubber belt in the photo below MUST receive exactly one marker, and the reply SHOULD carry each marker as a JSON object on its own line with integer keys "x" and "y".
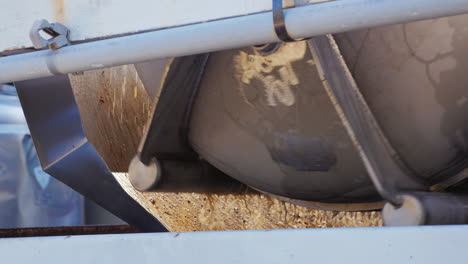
{"x": 278, "y": 22}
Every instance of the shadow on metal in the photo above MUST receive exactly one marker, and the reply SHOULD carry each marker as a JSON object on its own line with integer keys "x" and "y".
{"x": 65, "y": 153}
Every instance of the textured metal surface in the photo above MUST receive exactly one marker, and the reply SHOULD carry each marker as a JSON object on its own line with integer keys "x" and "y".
{"x": 268, "y": 122}
{"x": 386, "y": 173}
{"x": 65, "y": 153}
{"x": 413, "y": 77}
{"x": 418, "y": 245}
{"x": 255, "y": 29}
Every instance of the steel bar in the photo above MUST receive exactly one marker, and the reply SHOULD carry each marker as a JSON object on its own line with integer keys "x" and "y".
{"x": 377, "y": 155}
{"x": 255, "y": 29}
{"x": 442, "y": 244}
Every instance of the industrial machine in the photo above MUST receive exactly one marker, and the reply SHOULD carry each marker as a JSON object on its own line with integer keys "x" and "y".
{"x": 317, "y": 105}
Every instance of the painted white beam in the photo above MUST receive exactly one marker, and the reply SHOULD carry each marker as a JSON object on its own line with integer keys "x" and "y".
{"x": 91, "y": 19}
{"x": 424, "y": 245}
{"x": 302, "y": 22}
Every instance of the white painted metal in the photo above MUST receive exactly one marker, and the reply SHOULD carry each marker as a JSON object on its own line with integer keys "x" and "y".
{"x": 90, "y": 19}
{"x": 425, "y": 245}
{"x": 302, "y": 22}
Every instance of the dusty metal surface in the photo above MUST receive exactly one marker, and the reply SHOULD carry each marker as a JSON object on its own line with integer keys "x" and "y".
{"x": 115, "y": 125}
{"x": 413, "y": 77}
{"x": 389, "y": 176}
{"x": 268, "y": 122}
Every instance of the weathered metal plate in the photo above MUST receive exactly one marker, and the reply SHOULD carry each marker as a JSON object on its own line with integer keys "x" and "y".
{"x": 268, "y": 122}
{"x": 413, "y": 77}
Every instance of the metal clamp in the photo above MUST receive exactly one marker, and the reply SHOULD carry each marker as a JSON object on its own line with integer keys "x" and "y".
{"x": 279, "y": 24}
{"x": 57, "y": 32}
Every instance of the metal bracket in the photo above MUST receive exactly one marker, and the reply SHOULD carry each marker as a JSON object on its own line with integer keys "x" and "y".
{"x": 389, "y": 176}
{"x": 166, "y": 161}
{"x": 58, "y": 35}
{"x": 279, "y": 23}
{"x": 65, "y": 153}
{"x": 166, "y": 137}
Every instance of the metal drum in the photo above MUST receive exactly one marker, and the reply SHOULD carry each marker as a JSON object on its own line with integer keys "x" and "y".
{"x": 262, "y": 114}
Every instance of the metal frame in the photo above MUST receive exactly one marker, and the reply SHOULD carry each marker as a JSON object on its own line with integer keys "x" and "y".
{"x": 255, "y": 29}
{"x": 97, "y": 19}
{"x": 425, "y": 245}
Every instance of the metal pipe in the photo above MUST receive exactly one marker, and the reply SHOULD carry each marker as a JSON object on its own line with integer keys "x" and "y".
{"x": 301, "y": 22}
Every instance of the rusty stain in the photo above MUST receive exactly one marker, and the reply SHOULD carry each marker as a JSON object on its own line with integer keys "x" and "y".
{"x": 15, "y": 48}
{"x": 59, "y": 10}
